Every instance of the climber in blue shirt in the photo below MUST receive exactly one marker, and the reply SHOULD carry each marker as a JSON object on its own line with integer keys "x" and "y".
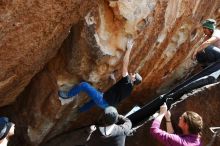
{"x": 114, "y": 94}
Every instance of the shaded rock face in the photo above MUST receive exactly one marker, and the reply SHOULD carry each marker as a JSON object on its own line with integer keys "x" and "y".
{"x": 50, "y": 45}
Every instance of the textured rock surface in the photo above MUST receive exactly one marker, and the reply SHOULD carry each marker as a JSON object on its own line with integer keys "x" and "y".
{"x": 36, "y": 61}
{"x": 31, "y": 33}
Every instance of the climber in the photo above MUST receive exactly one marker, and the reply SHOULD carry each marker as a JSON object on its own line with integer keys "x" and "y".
{"x": 209, "y": 51}
{"x": 109, "y": 133}
{"x": 6, "y": 130}
{"x": 190, "y": 123}
{"x": 114, "y": 94}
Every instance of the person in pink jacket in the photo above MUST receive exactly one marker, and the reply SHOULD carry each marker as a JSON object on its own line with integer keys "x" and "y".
{"x": 190, "y": 123}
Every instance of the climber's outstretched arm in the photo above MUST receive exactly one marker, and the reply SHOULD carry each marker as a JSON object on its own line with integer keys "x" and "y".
{"x": 126, "y": 57}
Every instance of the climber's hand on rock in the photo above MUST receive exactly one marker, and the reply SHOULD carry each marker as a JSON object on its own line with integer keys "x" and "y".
{"x": 130, "y": 43}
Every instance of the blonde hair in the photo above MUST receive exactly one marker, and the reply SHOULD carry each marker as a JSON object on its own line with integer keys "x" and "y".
{"x": 194, "y": 121}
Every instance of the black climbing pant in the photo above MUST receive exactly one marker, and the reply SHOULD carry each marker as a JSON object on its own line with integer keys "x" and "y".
{"x": 208, "y": 55}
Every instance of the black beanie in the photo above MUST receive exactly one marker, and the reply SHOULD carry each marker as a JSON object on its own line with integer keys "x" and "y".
{"x": 5, "y": 127}
{"x": 111, "y": 115}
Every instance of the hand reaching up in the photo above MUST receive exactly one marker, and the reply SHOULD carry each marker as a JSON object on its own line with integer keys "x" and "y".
{"x": 130, "y": 43}
{"x": 163, "y": 109}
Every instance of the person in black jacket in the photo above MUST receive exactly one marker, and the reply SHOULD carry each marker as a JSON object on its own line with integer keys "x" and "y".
{"x": 112, "y": 130}
{"x": 112, "y": 96}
